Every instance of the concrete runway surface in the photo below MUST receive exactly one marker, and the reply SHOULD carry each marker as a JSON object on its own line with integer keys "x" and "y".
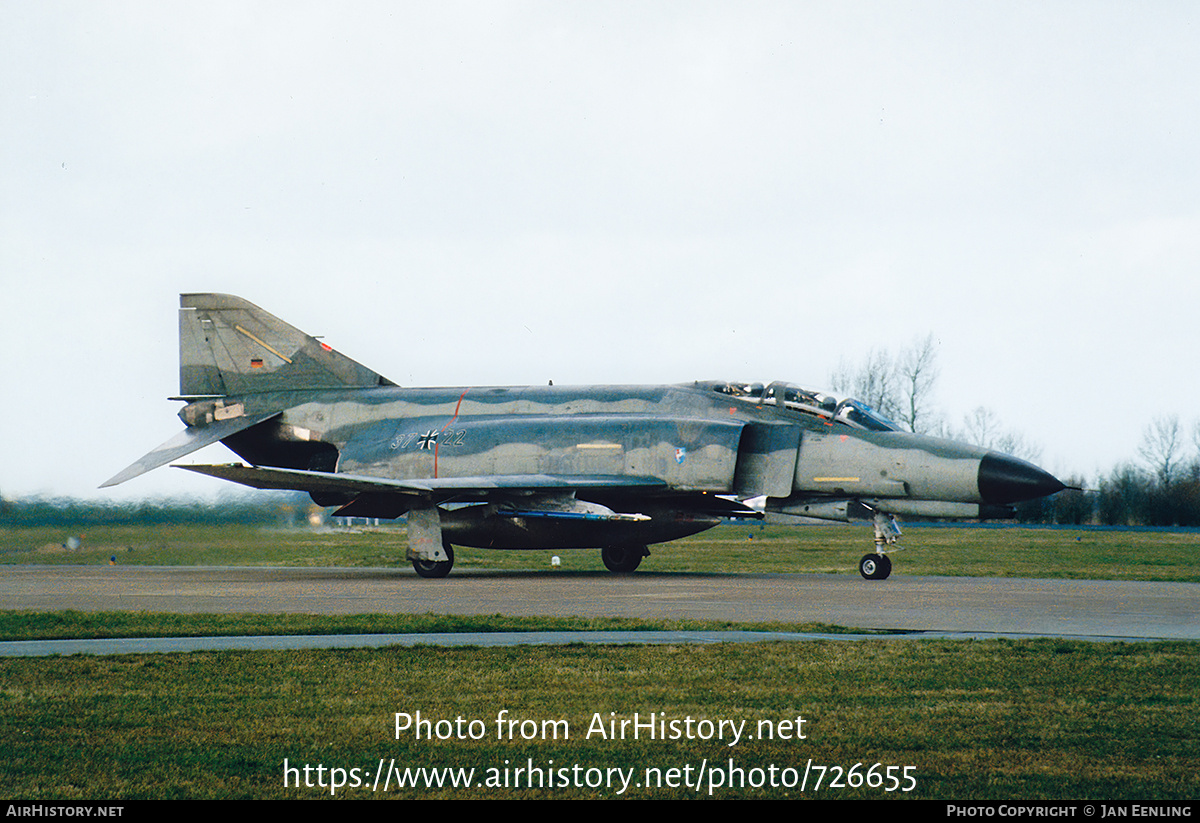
{"x": 971, "y": 605}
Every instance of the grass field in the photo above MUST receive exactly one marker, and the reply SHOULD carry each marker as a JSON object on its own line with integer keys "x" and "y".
{"x": 1001, "y": 720}
{"x": 982, "y": 720}
{"x": 1009, "y": 552}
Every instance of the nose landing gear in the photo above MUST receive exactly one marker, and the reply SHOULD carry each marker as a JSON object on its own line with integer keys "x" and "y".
{"x": 878, "y": 566}
{"x": 875, "y": 566}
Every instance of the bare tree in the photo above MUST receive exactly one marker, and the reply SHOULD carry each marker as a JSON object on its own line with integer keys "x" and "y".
{"x": 1161, "y": 447}
{"x": 982, "y": 428}
{"x": 898, "y": 387}
{"x": 874, "y": 382}
{"x": 1015, "y": 443}
{"x": 917, "y": 371}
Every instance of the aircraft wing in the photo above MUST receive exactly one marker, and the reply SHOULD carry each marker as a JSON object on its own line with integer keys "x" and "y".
{"x": 186, "y": 442}
{"x": 364, "y": 496}
{"x": 443, "y": 487}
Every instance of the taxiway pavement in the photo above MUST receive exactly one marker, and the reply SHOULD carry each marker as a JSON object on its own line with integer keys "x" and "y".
{"x": 999, "y": 606}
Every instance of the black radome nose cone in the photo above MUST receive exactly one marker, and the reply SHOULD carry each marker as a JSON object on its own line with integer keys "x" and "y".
{"x": 1005, "y": 479}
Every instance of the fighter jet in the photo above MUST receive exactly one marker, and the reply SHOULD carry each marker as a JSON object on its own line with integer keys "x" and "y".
{"x": 615, "y": 468}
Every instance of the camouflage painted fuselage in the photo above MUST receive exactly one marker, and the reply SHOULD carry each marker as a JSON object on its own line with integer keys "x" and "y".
{"x": 666, "y": 452}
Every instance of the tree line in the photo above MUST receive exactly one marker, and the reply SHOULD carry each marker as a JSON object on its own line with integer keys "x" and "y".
{"x": 235, "y": 507}
{"x": 1160, "y": 488}
{"x": 1163, "y": 489}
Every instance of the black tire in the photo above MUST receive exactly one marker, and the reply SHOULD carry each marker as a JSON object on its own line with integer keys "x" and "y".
{"x": 435, "y": 568}
{"x": 622, "y": 558}
{"x": 875, "y": 566}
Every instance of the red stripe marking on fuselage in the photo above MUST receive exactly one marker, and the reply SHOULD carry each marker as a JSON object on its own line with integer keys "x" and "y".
{"x": 437, "y": 443}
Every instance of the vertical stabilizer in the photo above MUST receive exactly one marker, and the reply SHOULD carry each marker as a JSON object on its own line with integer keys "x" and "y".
{"x": 230, "y": 346}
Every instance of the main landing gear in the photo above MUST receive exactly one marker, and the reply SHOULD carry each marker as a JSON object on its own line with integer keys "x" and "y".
{"x": 616, "y": 559}
{"x": 878, "y": 566}
{"x": 435, "y": 568}
{"x": 623, "y": 558}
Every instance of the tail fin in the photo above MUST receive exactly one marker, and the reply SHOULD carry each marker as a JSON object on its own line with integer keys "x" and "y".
{"x": 230, "y": 346}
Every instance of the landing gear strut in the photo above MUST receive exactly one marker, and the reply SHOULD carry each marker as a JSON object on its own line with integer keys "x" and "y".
{"x": 622, "y": 558}
{"x": 435, "y": 568}
{"x": 878, "y": 566}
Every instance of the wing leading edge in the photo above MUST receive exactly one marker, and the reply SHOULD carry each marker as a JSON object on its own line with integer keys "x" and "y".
{"x": 437, "y": 487}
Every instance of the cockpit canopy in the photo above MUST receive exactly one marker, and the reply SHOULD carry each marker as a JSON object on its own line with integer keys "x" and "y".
{"x": 849, "y": 412}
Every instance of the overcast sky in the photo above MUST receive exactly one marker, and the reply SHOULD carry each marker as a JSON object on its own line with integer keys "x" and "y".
{"x": 601, "y": 192}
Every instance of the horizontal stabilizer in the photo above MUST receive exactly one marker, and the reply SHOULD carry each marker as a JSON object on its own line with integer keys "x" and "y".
{"x": 186, "y": 442}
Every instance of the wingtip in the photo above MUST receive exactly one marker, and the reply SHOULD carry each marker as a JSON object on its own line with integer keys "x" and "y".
{"x": 128, "y": 473}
